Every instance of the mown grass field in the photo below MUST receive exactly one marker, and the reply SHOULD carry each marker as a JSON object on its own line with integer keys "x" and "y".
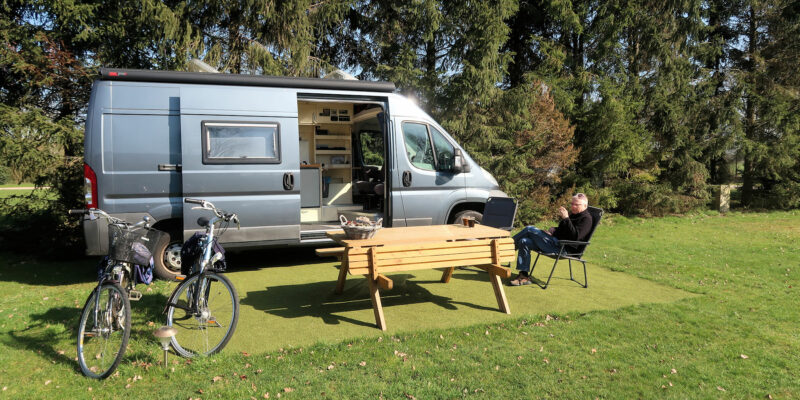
{"x": 718, "y": 319}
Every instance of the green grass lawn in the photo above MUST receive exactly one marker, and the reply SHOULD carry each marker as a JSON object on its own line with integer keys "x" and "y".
{"x": 702, "y": 306}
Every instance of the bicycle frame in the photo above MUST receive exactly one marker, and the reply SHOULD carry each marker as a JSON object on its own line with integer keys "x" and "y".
{"x": 208, "y": 249}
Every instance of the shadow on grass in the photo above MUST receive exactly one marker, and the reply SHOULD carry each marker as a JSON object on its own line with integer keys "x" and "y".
{"x": 31, "y": 271}
{"x": 60, "y": 324}
{"x": 250, "y": 260}
{"x": 317, "y": 299}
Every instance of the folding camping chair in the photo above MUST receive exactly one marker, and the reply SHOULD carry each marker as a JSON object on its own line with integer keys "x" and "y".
{"x": 574, "y": 255}
{"x": 499, "y": 212}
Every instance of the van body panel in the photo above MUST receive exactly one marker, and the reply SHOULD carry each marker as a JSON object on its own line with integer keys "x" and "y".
{"x": 255, "y": 191}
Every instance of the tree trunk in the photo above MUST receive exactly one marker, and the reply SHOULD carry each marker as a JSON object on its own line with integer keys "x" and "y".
{"x": 748, "y": 174}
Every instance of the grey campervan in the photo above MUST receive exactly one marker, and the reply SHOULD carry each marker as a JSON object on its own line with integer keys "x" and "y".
{"x": 289, "y": 155}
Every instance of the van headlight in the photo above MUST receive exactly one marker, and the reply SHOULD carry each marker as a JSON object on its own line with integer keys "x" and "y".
{"x": 490, "y": 178}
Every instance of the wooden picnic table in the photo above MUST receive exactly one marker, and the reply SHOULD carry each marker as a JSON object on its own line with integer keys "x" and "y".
{"x": 402, "y": 249}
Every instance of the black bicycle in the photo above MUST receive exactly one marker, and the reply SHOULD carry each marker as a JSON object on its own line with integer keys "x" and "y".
{"x": 105, "y": 324}
{"x": 204, "y": 308}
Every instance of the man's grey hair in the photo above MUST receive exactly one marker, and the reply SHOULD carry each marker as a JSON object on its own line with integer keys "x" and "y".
{"x": 582, "y": 197}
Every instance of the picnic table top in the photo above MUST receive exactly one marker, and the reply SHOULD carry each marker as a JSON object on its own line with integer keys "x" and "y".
{"x": 415, "y": 234}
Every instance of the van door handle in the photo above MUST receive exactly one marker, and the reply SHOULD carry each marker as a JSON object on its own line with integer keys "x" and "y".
{"x": 406, "y": 178}
{"x": 288, "y": 181}
{"x": 169, "y": 167}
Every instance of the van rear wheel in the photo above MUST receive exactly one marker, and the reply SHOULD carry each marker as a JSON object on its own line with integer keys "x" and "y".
{"x": 167, "y": 257}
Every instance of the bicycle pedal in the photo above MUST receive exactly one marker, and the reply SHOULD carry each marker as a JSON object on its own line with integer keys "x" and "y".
{"x": 134, "y": 295}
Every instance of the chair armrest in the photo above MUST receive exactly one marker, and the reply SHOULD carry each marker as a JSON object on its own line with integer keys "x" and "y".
{"x": 573, "y": 242}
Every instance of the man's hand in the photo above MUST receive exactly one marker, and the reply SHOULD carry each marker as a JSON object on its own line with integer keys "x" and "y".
{"x": 562, "y": 212}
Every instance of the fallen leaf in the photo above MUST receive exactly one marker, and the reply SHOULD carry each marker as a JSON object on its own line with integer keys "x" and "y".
{"x": 150, "y": 323}
{"x": 128, "y": 386}
{"x": 594, "y": 351}
{"x": 288, "y": 390}
{"x": 744, "y": 356}
{"x": 330, "y": 367}
{"x": 216, "y": 378}
{"x": 246, "y": 354}
{"x": 673, "y": 371}
{"x": 243, "y": 377}
{"x": 363, "y": 363}
{"x": 199, "y": 391}
{"x": 721, "y": 389}
{"x": 266, "y": 395}
{"x": 410, "y": 396}
{"x": 546, "y": 361}
{"x": 47, "y": 382}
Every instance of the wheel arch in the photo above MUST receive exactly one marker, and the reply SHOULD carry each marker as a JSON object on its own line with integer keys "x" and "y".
{"x": 474, "y": 206}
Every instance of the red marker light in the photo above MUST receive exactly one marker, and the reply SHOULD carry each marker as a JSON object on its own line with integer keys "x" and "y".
{"x": 112, "y": 74}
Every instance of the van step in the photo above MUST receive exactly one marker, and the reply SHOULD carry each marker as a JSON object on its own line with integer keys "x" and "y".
{"x": 312, "y": 235}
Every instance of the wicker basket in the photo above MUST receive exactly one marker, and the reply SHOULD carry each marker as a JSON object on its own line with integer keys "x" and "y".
{"x": 359, "y": 232}
{"x": 121, "y": 241}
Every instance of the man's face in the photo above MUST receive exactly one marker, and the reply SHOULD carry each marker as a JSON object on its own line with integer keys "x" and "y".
{"x": 577, "y": 206}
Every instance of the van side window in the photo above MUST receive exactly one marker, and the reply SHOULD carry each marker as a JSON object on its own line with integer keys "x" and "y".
{"x": 445, "y": 152}
{"x": 240, "y": 143}
{"x": 418, "y": 145}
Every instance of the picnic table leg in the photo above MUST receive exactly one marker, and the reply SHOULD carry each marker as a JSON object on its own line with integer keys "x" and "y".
{"x": 499, "y": 293}
{"x": 375, "y": 296}
{"x": 342, "y": 277}
{"x": 448, "y": 272}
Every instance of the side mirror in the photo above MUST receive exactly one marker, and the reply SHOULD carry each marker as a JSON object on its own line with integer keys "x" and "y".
{"x": 460, "y": 164}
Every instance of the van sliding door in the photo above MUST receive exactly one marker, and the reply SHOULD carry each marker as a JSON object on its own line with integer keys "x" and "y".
{"x": 244, "y": 163}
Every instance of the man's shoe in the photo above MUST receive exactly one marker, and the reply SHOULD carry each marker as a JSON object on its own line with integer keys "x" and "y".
{"x": 521, "y": 280}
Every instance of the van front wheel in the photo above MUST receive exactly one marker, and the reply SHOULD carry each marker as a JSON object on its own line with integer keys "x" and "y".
{"x": 468, "y": 214}
{"x": 167, "y": 257}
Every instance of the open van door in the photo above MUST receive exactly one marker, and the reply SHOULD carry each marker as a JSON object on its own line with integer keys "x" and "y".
{"x": 242, "y": 163}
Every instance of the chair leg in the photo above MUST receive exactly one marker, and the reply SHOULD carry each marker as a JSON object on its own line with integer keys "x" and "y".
{"x": 534, "y": 264}
{"x": 585, "y": 283}
{"x": 551, "y": 275}
{"x": 585, "y": 280}
{"x": 570, "y": 270}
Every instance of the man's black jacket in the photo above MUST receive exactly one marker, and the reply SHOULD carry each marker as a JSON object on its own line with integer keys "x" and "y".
{"x": 576, "y": 227}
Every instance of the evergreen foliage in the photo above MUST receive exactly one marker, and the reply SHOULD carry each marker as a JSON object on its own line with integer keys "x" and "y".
{"x": 642, "y": 105}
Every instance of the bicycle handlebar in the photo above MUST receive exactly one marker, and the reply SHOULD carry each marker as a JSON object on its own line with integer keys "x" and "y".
{"x": 207, "y": 205}
{"x": 81, "y": 211}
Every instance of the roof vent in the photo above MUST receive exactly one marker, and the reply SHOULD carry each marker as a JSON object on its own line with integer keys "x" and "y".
{"x": 339, "y": 74}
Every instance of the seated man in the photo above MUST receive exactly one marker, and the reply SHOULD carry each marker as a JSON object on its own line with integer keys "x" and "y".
{"x": 574, "y": 225}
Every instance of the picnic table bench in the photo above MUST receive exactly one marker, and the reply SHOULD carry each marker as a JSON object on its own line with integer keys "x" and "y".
{"x": 394, "y": 250}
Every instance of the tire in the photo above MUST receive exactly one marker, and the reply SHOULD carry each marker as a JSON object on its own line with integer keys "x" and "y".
{"x": 469, "y": 214}
{"x": 101, "y": 345}
{"x": 208, "y": 331}
{"x": 167, "y": 257}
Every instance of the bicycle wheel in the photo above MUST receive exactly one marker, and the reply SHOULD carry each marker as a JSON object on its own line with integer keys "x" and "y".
{"x": 208, "y": 329}
{"x": 104, "y": 330}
